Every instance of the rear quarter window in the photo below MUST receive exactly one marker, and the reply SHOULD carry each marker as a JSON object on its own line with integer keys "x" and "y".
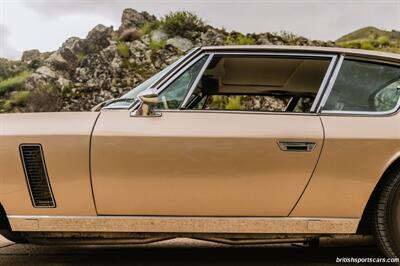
{"x": 365, "y": 87}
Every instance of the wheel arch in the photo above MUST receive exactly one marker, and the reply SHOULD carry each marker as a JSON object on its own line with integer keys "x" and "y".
{"x": 5, "y": 228}
{"x": 4, "y": 223}
{"x": 364, "y": 225}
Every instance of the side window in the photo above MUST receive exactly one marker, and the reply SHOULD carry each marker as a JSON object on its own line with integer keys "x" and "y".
{"x": 365, "y": 87}
{"x": 247, "y": 103}
{"x": 256, "y": 83}
{"x": 173, "y": 95}
{"x": 256, "y": 103}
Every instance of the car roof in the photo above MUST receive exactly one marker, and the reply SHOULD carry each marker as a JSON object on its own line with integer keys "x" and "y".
{"x": 305, "y": 49}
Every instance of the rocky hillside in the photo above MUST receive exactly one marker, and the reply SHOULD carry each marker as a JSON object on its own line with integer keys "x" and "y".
{"x": 109, "y": 62}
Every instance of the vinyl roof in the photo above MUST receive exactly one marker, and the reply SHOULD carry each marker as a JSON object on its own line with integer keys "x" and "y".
{"x": 306, "y": 49}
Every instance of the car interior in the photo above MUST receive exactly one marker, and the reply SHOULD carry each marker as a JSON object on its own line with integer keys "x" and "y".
{"x": 259, "y": 84}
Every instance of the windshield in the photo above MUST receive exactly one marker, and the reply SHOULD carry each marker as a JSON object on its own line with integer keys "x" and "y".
{"x": 127, "y": 99}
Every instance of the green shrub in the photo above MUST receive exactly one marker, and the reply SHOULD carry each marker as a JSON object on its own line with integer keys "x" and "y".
{"x": 383, "y": 40}
{"x": 182, "y": 23}
{"x": 80, "y": 56}
{"x": 19, "y": 97}
{"x": 229, "y": 41}
{"x": 234, "y": 103}
{"x": 239, "y": 40}
{"x": 351, "y": 44}
{"x": 157, "y": 45}
{"x": 243, "y": 40}
{"x": 6, "y": 106}
{"x": 149, "y": 27}
{"x": 367, "y": 45}
{"x": 14, "y": 83}
{"x": 123, "y": 50}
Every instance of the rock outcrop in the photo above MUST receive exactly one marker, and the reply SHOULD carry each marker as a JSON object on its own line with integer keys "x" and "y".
{"x": 108, "y": 62}
{"x": 134, "y": 19}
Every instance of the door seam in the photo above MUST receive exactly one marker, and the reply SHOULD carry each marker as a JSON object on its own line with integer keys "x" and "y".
{"x": 313, "y": 171}
{"x": 90, "y": 163}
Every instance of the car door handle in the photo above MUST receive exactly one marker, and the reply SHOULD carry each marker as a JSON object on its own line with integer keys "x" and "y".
{"x": 305, "y": 146}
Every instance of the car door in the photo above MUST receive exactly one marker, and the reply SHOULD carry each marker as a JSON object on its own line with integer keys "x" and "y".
{"x": 200, "y": 162}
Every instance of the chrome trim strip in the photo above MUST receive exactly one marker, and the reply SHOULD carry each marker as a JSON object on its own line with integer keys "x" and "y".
{"x": 273, "y": 54}
{"x": 373, "y": 60}
{"x": 115, "y": 107}
{"x": 196, "y": 81}
{"x": 149, "y": 224}
{"x": 45, "y": 172}
{"x": 330, "y": 84}
{"x": 324, "y": 82}
{"x": 363, "y": 113}
{"x": 236, "y": 112}
{"x": 306, "y": 49}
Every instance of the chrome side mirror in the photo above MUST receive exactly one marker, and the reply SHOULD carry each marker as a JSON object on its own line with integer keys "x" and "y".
{"x": 148, "y": 100}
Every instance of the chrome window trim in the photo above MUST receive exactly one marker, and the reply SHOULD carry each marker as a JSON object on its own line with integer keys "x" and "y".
{"x": 116, "y": 107}
{"x": 196, "y": 81}
{"x": 390, "y": 112}
{"x": 332, "y": 81}
{"x": 277, "y": 54}
{"x": 133, "y": 106}
{"x": 332, "y": 57}
{"x": 235, "y": 112}
{"x": 372, "y": 60}
{"x": 363, "y": 113}
{"x": 324, "y": 85}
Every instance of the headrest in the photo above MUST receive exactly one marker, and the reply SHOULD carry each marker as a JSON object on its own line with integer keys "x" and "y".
{"x": 209, "y": 85}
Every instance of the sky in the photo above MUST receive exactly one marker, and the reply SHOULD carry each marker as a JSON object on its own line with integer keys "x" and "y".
{"x": 45, "y": 24}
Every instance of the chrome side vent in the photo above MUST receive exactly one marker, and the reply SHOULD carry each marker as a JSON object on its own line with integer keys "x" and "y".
{"x": 36, "y": 175}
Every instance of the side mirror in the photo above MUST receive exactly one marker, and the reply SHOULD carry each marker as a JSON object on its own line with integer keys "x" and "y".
{"x": 148, "y": 100}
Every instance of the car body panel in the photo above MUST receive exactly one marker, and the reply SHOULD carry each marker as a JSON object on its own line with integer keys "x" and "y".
{"x": 356, "y": 153}
{"x": 65, "y": 139}
{"x": 201, "y": 163}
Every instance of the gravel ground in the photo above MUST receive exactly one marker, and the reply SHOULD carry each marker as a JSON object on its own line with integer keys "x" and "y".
{"x": 183, "y": 252}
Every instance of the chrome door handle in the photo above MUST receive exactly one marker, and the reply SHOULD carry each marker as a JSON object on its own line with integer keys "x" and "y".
{"x": 296, "y": 146}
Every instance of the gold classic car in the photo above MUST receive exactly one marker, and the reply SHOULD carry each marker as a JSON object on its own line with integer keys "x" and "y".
{"x": 238, "y": 144}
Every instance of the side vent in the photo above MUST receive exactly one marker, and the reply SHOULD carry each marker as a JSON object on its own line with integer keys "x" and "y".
{"x": 36, "y": 175}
